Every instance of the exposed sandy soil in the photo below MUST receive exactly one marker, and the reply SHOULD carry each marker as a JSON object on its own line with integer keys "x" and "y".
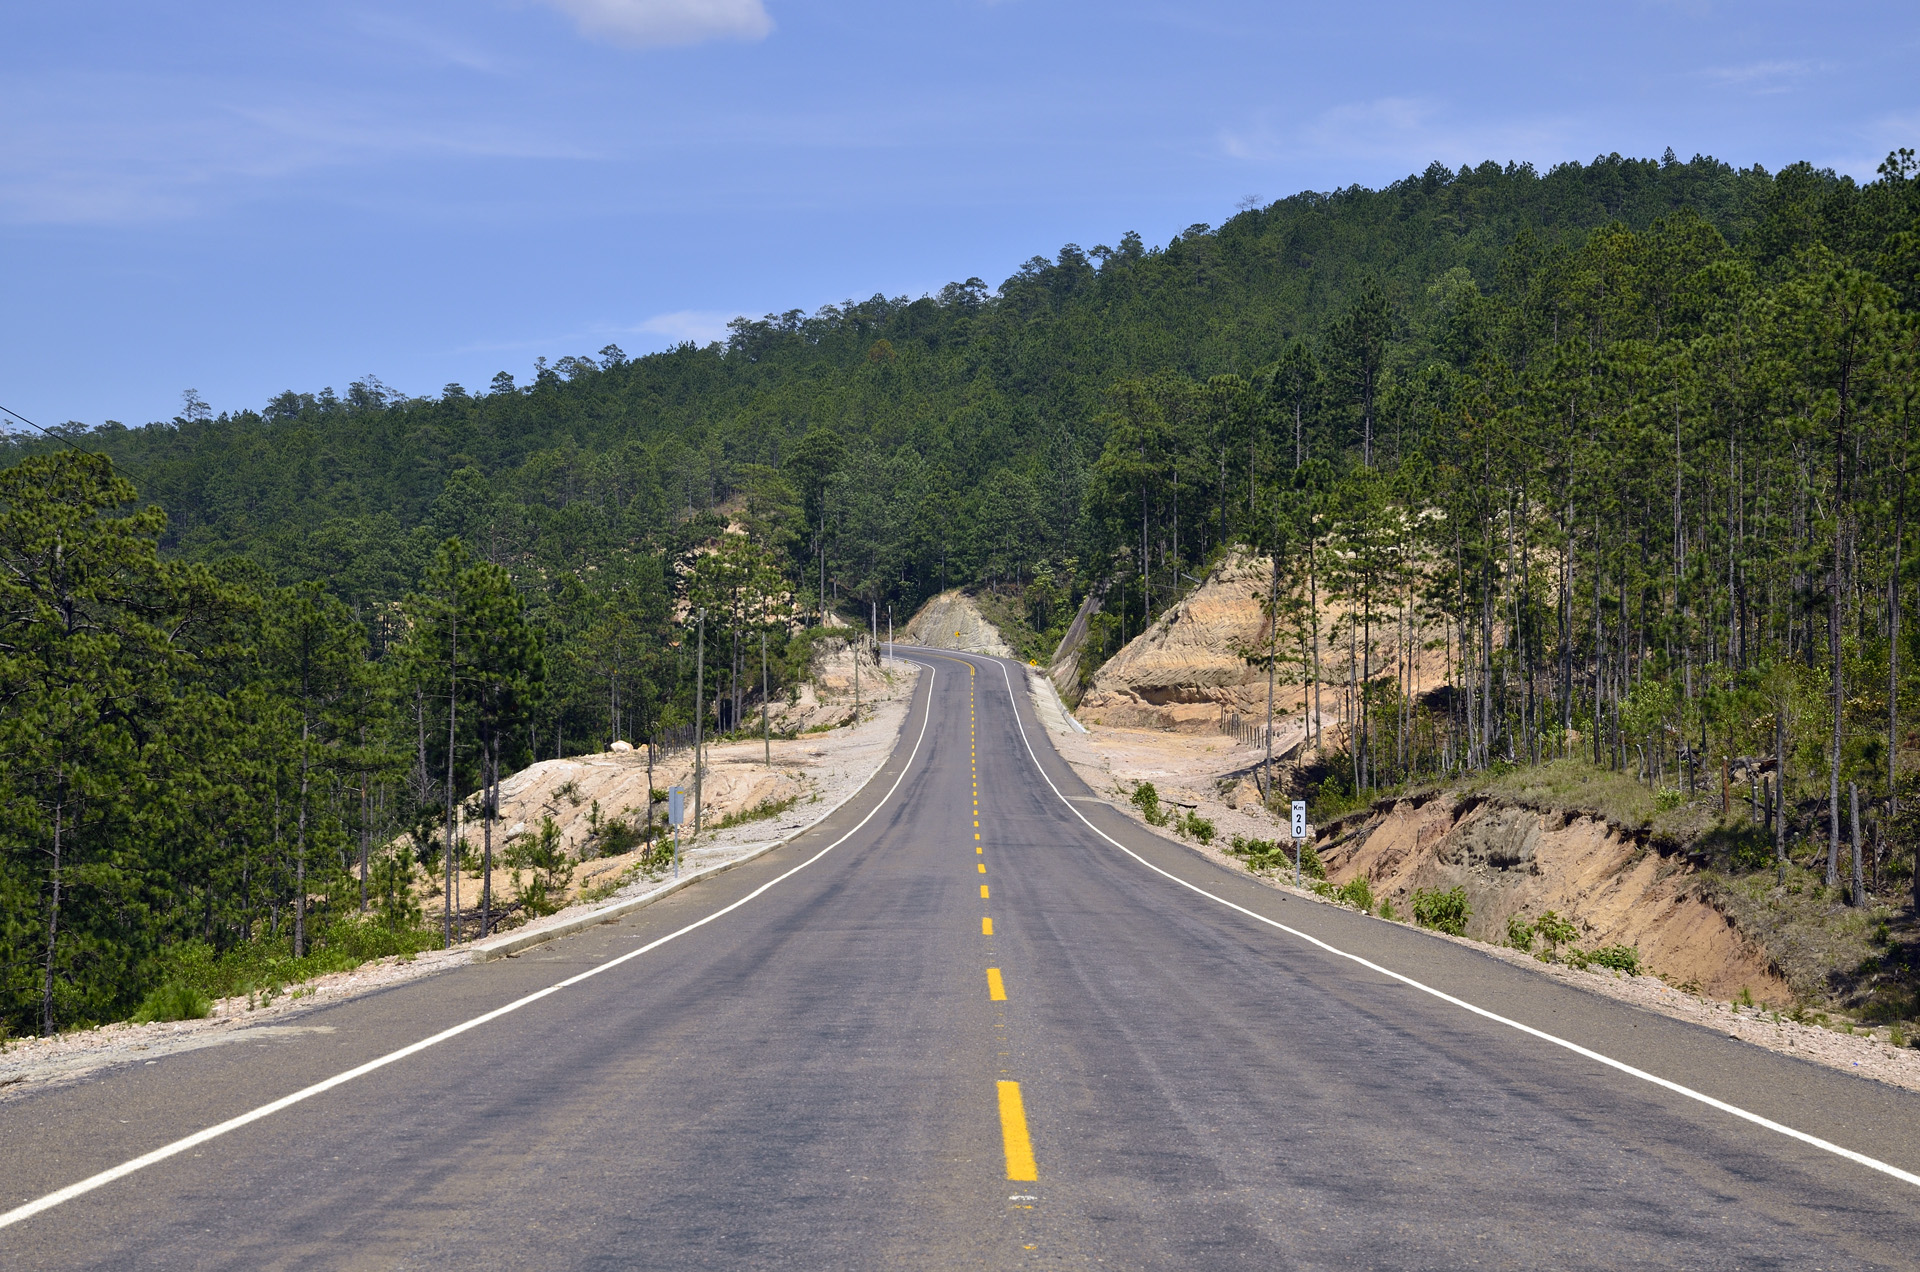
{"x": 830, "y": 766}
{"x": 738, "y": 780}
{"x": 1198, "y": 771}
{"x": 1518, "y": 861}
{"x": 1189, "y": 673}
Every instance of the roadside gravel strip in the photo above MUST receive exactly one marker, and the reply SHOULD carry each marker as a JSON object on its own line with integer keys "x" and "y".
{"x": 1597, "y": 1057}
{"x": 859, "y": 753}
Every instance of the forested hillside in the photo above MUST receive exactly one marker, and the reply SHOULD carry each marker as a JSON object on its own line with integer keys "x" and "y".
{"x": 1630, "y": 438}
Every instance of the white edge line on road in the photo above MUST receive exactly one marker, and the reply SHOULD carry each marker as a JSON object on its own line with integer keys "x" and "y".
{"x": 89, "y": 1184}
{"x": 1871, "y": 1163}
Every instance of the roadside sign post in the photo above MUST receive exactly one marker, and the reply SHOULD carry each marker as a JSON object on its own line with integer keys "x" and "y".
{"x": 676, "y": 813}
{"x": 1299, "y": 835}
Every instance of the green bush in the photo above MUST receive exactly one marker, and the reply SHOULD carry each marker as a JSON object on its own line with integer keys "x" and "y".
{"x": 1621, "y": 958}
{"x": 1443, "y": 910}
{"x": 392, "y": 881}
{"x": 1357, "y": 893}
{"x": 1147, "y": 800}
{"x": 1520, "y": 933}
{"x": 546, "y": 892}
{"x": 1270, "y": 854}
{"x": 1197, "y": 826}
{"x": 1668, "y": 798}
{"x": 1387, "y": 911}
{"x": 608, "y": 836}
{"x": 1555, "y": 931}
{"x": 173, "y": 1001}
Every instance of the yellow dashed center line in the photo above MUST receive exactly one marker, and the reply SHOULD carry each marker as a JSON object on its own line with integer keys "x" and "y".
{"x": 1013, "y": 1132}
{"x": 983, "y": 892}
{"x": 996, "y": 987}
{"x": 983, "y": 867}
{"x": 986, "y": 926}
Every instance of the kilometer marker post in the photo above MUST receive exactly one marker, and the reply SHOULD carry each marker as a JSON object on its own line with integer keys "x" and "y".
{"x": 1299, "y": 835}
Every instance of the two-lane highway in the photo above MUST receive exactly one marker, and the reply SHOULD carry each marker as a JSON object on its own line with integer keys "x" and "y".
{"x": 976, "y": 1019}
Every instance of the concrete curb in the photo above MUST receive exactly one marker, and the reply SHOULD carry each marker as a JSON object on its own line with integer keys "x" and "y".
{"x": 512, "y": 943}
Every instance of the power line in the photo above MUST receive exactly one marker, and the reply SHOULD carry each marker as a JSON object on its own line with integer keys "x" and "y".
{"x": 49, "y": 432}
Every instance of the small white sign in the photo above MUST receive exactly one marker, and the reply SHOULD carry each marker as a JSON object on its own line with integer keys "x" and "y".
{"x": 1299, "y": 819}
{"x": 677, "y": 806}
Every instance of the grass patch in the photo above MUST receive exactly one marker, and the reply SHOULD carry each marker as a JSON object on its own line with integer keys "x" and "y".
{"x": 264, "y": 968}
{"x": 1270, "y": 854}
{"x": 765, "y": 809}
{"x": 173, "y": 1001}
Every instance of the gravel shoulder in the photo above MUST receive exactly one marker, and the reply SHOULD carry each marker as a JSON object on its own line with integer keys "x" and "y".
{"x": 1188, "y": 769}
{"x": 832, "y": 764}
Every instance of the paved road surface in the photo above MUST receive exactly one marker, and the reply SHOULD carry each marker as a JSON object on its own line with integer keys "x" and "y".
{"x": 823, "y": 1078}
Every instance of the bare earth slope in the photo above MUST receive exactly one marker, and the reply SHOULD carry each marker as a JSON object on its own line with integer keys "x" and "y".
{"x": 1521, "y": 861}
{"x": 952, "y": 621}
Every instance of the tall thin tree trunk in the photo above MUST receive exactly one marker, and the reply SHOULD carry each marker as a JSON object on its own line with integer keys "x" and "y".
{"x": 53, "y": 909}
{"x": 1780, "y": 786}
{"x": 1273, "y": 651}
{"x": 300, "y": 847}
{"x": 1859, "y": 880}
{"x": 489, "y": 799}
{"x": 453, "y": 705}
{"x": 1839, "y": 707}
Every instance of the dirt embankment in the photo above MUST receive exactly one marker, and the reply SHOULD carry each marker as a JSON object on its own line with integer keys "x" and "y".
{"x": 1514, "y": 860}
{"x": 1189, "y": 672}
{"x": 952, "y": 621}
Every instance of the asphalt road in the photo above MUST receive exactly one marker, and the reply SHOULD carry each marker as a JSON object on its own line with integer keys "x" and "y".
{"x": 823, "y": 1077}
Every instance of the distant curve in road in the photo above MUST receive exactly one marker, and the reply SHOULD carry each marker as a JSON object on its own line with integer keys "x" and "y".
{"x": 991, "y": 1028}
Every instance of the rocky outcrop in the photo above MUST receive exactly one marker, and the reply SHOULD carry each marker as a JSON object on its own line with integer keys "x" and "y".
{"x": 1521, "y": 861}
{"x": 1187, "y": 671}
{"x": 1063, "y": 669}
{"x": 952, "y": 621}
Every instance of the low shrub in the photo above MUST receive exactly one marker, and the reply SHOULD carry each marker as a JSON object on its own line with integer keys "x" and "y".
{"x": 1520, "y": 933}
{"x": 765, "y": 809}
{"x": 1555, "y": 931}
{"x": 1358, "y": 893}
{"x": 173, "y": 1001}
{"x": 1197, "y": 826}
{"x": 546, "y": 891}
{"x": 1386, "y": 910}
{"x": 1147, "y": 800}
{"x": 1668, "y": 798}
{"x": 1270, "y": 854}
{"x": 608, "y": 836}
{"x": 1442, "y": 909}
{"x": 1620, "y": 958}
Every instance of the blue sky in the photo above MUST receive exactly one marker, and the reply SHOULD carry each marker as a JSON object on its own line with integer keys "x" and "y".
{"x": 244, "y": 198}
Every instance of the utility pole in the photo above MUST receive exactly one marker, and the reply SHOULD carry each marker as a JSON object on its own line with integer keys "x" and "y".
{"x": 766, "y": 733}
{"x": 889, "y": 631}
{"x": 699, "y": 714}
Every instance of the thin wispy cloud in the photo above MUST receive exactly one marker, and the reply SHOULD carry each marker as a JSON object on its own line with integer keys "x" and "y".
{"x": 661, "y": 23}
{"x": 430, "y": 43}
{"x": 701, "y": 326}
{"x": 1410, "y": 131}
{"x": 118, "y": 149}
{"x": 1763, "y": 77}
